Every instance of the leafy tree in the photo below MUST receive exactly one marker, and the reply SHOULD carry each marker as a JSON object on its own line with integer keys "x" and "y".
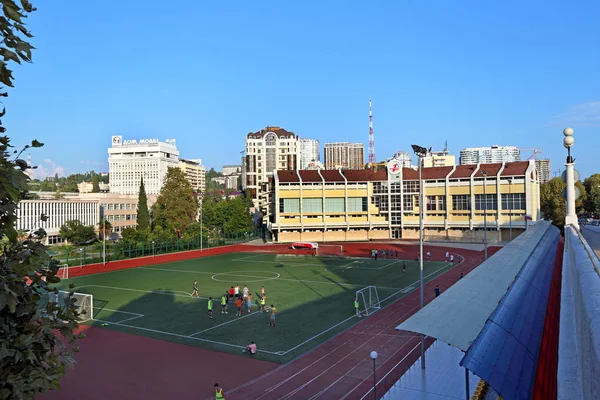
{"x": 176, "y": 205}
{"x": 230, "y": 215}
{"x": 104, "y": 228}
{"x": 592, "y": 186}
{"x": 74, "y": 232}
{"x": 552, "y": 202}
{"x": 95, "y": 184}
{"x": 192, "y": 230}
{"x": 582, "y": 200}
{"x": 143, "y": 214}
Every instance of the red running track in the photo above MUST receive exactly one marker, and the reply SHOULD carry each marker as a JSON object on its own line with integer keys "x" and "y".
{"x": 119, "y": 365}
{"x": 342, "y": 368}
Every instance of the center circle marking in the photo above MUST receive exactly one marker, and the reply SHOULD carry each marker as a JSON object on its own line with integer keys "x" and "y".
{"x": 246, "y": 274}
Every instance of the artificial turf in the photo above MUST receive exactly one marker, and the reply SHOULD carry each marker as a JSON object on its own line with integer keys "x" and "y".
{"x": 313, "y": 297}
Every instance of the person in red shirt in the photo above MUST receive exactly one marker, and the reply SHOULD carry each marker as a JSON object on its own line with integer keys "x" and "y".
{"x": 231, "y": 294}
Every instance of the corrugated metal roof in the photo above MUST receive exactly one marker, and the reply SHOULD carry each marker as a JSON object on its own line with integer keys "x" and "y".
{"x": 460, "y": 313}
{"x": 505, "y": 354}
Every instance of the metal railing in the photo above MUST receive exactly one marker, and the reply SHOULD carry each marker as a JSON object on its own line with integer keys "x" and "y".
{"x": 591, "y": 254}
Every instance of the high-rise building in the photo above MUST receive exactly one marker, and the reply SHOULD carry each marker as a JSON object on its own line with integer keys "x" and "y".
{"x": 487, "y": 155}
{"x": 129, "y": 161}
{"x": 543, "y": 169}
{"x": 267, "y": 150}
{"x": 309, "y": 153}
{"x": 195, "y": 173}
{"x": 344, "y": 155}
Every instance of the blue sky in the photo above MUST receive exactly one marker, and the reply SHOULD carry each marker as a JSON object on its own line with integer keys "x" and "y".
{"x": 474, "y": 73}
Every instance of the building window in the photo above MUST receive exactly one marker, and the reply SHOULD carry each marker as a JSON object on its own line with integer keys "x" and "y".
{"x": 461, "y": 202}
{"x": 441, "y": 203}
{"x": 111, "y": 207}
{"x": 312, "y": 205}
{"x": 408, "y": 202}
{"x": 410, "y": 186}
{"x": 514, "y": 201}
{"x": 335, "y": 205}
{"x": 490, "y": 199}
{"x": 357, "y": 204}
{"x": 289, "y": 205}
{"x": 431, "y": 203}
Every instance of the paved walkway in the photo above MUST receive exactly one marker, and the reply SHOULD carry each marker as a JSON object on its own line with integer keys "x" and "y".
{"x": 592, "y": 235}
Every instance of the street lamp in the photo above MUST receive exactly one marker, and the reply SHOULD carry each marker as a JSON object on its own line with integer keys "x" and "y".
{"x": 571, "y": 217}
{"x": 485, "y": 242}
{"x": 374, "y": 357}
{"x": 153, "y": 254}
{"x": 200, "y": 223}
{"x": 421, "y": 152}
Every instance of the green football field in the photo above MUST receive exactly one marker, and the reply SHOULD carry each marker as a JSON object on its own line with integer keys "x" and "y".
{"x": 313, "y": 296}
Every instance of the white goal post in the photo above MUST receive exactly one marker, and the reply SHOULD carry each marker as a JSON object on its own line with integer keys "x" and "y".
{"x": 84, "y": 303}
{"x": 63, "y": 272}
{"x": 368, "y": 300}
{"x": 330, "y": 250}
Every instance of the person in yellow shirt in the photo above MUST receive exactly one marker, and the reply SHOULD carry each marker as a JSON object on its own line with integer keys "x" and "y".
{"x": 219, "y": 393}
{"x": 209, "y": 307}
{"x": 357, "y": 306}
{"x": 224, "y": 304}
{"x": 263, "y": 302}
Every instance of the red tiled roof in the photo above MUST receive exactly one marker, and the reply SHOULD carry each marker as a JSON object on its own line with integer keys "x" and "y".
{"x": 275, "y": 129}
{"x": 436, "y": 172}
{"x": 287, "y": 176}
{"x": 515, "y": 168}
{"x": 463, "y": 171}
{"x": 409, "y": 174}
{"x": 332, "y": 175}
{"x": 491, "y": 169}
{"x": 357, "y": 175}
{"x": 310, "y": 175}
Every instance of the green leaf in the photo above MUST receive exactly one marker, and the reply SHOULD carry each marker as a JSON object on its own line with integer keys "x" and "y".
{"x": 35, "y": 143}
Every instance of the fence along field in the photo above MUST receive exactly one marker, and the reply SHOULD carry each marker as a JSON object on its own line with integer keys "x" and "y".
{"x": 314, "y": 298}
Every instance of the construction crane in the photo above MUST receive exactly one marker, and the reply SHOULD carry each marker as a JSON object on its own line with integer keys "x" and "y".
{"x": 536, "y": 151}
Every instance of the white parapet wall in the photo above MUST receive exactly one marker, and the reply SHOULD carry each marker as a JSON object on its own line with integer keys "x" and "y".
{"x": 579, "y": 341}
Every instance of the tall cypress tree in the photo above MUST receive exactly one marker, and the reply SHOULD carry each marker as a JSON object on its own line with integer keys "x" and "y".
{"x": 143, "y": 214}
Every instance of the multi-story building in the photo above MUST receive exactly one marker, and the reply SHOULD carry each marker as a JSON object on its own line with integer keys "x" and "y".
{"x": 229, "y": 181}
{"x": 57, "y": 212}
{"x": 309, "y": 153}
{"x": 87, "y": 187}
{"x": 195, "y": 173}
{"x": 543, "y": 168}
{"x": 404, "y": 158}
{"x": 488, "y": 155}
{"x": 129, "y": 161}
{"x": 344, "y": 155}
{"x": 439, "y": 159}
{"x": 341, "y": 205}
{"x": 232, "y": 170}
{"x": 88, "y": 208}
{"x": 267, "y": 150}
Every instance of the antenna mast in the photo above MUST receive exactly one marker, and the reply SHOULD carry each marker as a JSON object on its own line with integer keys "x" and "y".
{"x": 372, "y": 159}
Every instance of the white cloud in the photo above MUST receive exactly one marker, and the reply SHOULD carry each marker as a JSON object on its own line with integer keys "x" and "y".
{"x": 47, "y": 168}
{"x": 586, "y": 114}
{"x": 87, "y": 162}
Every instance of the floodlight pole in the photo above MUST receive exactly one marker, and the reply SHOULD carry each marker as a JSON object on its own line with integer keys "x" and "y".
{"x": 201, "y": 224}
{"x": 374, "y": 357}
{"x": 421, "y": 152}
{"x": 485, "y": 241}
{"x": 103, "y": 236}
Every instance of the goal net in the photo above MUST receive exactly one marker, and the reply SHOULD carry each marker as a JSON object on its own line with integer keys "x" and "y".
{"x": 84, "y": 303}
{"x": 368, "y": 300}
{"x": 330, "y": 250}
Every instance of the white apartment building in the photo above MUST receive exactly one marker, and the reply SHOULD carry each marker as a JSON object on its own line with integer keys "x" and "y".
{"x": 130, "y": 160}
{"x": 58, "y": 212}
{"x": 489, "y": 155}
{"x": 543, "y": 169}
{"x": 195, "y": 173}
{"x": 231, "y": 170}
{"x": 267, "y": 150}
{"x": 87, "y": 187}
{"x": 344, "y": 155}
{"x": 309, "y": 153}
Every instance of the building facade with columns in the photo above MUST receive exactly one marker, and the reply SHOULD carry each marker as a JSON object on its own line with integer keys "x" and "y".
{"x": 349, "y": 205}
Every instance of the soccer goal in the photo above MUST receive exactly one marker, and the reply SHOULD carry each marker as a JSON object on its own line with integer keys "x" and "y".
{"x": 368, "y": 300}
{"x": 330, "y": 250}
{"x": 84, "y": 303}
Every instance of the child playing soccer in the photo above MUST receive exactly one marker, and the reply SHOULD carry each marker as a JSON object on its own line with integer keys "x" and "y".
{"x": 272, "y": 317}
{"x": 209, "y": 306}
{"x": 195, "y": 289}
{"x": 238, "y": 304}
{"x": 249, "y": 302}
{"x": 263, "y": 301}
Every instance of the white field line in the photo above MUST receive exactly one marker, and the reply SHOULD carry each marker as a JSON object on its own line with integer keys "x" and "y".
{"x": 135, "y": 315}
{"x": 181, "y": 336}
{"x": 349, "y": 285}
{"x": 130, "y": 319}
{"x": 229, "y": 322}
{"x": 354, "y": 316}
{"x": 173, "y": 293}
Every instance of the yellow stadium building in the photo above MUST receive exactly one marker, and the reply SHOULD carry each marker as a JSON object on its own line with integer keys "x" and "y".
{"x": 353, "y": 205}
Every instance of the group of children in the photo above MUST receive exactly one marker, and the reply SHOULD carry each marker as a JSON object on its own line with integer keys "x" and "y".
{"x": 242, "y": 300}
{"x": 393, "y": 254}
